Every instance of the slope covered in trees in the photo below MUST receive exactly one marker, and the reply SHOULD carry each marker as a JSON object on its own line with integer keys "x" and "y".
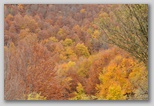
{"x": 75, "y": 52}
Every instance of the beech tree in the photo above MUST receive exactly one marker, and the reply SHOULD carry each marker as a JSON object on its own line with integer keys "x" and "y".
{"x": 69, "y": 52}
{"x": 80, "y": 93}
{"x": 126, "y": 26}
{"x": 82, "y": 50}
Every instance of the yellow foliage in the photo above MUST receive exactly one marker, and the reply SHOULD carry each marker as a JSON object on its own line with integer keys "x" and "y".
{"x": 82, "y": 50}
{"x": 68, "y": 65}
{"x": 65, "y": 67}
{"x": 67, "y": 42}
{"x": 71, "y": 64}
{"x": 119, "y": 71}
{"x": 115, "y": 93}
{"x": 68, "y": 53}
{"x": 66, "y": 81}
{"x": 61, "y": 31}
{"x": 79, "y": 88}
{"x": 89, "y": 31}
{"x": 35, "y": 96}
{"x": 96, "y": 34}
{"x": 84, "y": 67}
{"x": 53, "y": 39}
{"x": 80, "y": 94}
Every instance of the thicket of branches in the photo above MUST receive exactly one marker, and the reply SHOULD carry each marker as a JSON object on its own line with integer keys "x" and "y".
{"x": 127, "y": 27}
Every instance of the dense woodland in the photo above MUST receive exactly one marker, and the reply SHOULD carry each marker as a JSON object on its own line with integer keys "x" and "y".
{"x": 75, "y": 52}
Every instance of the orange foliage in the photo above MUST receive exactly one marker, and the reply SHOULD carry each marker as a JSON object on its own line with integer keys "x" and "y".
{"x": 51, "y": 53}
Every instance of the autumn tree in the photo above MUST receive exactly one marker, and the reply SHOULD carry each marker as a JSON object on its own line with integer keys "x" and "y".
{"x": 82, "y": 50}
{"x": 139, "y": 79}
{"x": 117, "y": 81}
{"x": 44, "y": 78}
{"x": 66, "y": 52}
{"x": 67, "y": 42}
{"x": 13, "y": 73}
{"x": 115, "y": 93}
{"x": 99, "y": 61}
{"x": 126, "y": 26}
{"x": 80, "y": 94}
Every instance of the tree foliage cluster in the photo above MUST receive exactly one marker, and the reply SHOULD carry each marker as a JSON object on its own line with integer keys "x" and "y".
{"x": 126, "y": 26}
{"x": 60, "y": 52}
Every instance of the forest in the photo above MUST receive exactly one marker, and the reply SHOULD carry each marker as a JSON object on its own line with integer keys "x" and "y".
{"x": 75, "y": 52}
